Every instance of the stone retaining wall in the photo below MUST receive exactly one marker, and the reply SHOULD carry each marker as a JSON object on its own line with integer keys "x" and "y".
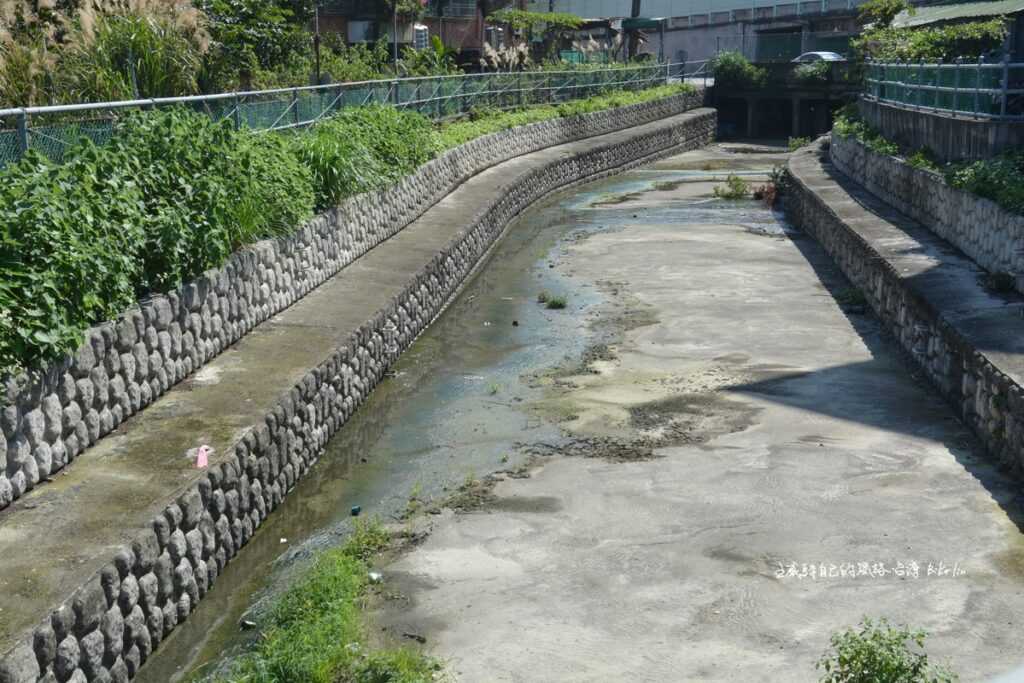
{"x": 950, "y": 138}
{"x": 973, "y": 377}
{"x": 51, "y": 417}
{"x": 108, "y": 627}
{"x": 991, "y": 236}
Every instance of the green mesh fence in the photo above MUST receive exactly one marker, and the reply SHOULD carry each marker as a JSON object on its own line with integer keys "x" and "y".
{"x": 53, "y": 131}
{"x": 967, "y": 88}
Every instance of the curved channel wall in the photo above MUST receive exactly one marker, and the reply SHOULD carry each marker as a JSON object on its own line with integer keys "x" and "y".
{"x": 52, "y": 416}
{"x": 989, "y": 234}
{"x": 107, "y": 628}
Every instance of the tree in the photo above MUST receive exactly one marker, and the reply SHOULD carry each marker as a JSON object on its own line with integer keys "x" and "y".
{"x": 880, "y": 13}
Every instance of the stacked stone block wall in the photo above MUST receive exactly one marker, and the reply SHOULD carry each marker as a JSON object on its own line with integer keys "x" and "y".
{"x": 108, "y": 627}
{"x": 990, "y": 235}
{"x": 51, "y": 416}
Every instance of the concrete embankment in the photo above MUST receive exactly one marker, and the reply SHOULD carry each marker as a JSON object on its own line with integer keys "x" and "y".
{"x": 111, "y": 556}
{"x": 968, "y": 340}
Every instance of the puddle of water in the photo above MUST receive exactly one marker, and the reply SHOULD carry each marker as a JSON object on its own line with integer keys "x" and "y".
{"x": 456, "y": 405}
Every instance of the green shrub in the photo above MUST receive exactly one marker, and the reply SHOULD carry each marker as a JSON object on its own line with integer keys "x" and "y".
{"x": 877, "y": 652}
{"x": 556, "y": 303}
{"x": 1000, "y": 179}
{"x": 734, "y": 188}
{"x": 815, "y": 72}
{"x": 363, "y": 148}
{"x": 930, "y": 43}
{"x": 171, "y": 196}
{"x": 797, "y": 143}
{"x": 733, "y": 70}
{"x": 924, "y": 159}
{"x": 847, "y": 123}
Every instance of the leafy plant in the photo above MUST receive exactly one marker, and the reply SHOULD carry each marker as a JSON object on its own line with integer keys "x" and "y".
{"x": 924, "y": 159}
{"x": 555, "y": 303}
{"x": 815, "y": 72}
{"x": 847, "y": 123}
{"x": 969, "y": 40}
{"x": 733, "y": 70}
{"x": 797, "y": 143}
{"x": 880, "y": 13}
{"x": 878, "y": 651}
{"x": 1000, "y": 179}
{"x": 363, "y": 148}
{"x": 734, "y": 188}
{"x": 171, "y": 196}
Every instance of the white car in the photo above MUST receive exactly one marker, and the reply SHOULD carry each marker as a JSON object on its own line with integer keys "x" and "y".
{"x": 810, "y": 57}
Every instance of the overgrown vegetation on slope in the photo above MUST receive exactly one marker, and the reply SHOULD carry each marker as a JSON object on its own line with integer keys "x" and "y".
{"x": 315, "y": 632}
{"x": 175, "y": 193}
{"x": 999, "y": 178}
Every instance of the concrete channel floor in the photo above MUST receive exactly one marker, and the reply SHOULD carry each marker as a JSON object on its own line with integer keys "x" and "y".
{"x": 791, "y": 434}
{"x": 61, "y": 533}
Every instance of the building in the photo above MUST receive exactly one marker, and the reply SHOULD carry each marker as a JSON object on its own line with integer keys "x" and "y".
{"x": 459, "y": 23}
{"x": 763, "y": 30}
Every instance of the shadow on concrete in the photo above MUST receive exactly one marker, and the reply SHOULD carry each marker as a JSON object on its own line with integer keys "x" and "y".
{"x": 872, "y": 392}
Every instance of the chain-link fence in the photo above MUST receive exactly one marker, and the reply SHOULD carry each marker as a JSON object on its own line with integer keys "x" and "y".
{"x": 990, "y": 90}
{"x": 52, "y": 130}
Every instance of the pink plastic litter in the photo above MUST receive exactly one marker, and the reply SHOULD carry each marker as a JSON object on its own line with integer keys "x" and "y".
{"x": 203, "y": 456}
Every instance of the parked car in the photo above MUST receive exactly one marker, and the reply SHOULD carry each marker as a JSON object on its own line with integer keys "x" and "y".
{"x": 811, "y": 57}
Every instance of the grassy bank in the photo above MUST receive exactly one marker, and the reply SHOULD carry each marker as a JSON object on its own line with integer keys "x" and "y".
{"x": 174, "y": 194}
{"x": 315, "y": 632}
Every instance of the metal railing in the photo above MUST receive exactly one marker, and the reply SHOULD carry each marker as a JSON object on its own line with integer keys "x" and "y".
{"x": 52, "y": 130}
{"x": 980, "y": 89}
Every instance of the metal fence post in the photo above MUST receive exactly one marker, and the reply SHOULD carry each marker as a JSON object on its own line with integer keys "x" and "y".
{"x": 938, "y": 82}
{"x": 977, "y": 86}
{"x": 1005, "y": 86}
{"x": 920, "y": 83}
{"x": 295, "y": 106}
{"x": 22, "y": 132}
{"x": 956, "y": 85}
{"x": 237, "y": 117}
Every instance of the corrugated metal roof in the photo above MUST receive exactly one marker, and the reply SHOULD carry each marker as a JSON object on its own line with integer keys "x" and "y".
{"x": 964, "y": 10}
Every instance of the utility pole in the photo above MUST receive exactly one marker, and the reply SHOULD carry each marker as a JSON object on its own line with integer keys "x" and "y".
{"x": 394, "y": 37}
{"x": 316, "y": 38}
{"x": 631, "y": 45}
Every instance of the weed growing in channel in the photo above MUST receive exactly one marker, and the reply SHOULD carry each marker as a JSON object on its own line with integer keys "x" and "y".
{"x": 878, "y": 651}
{"x": 734, "y": 188}
{"x": 315, "y": 632}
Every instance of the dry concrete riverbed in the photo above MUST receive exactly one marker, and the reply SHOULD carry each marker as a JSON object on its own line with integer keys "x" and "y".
{"x": 701, "y": 425}
{"x": 744, "y": 468}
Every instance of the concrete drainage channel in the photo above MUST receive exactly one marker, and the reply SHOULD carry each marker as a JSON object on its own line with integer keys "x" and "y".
{"x": 471, "y": 397}
{"x": 702, "y": 412}
{"x": 109, "y": 626}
